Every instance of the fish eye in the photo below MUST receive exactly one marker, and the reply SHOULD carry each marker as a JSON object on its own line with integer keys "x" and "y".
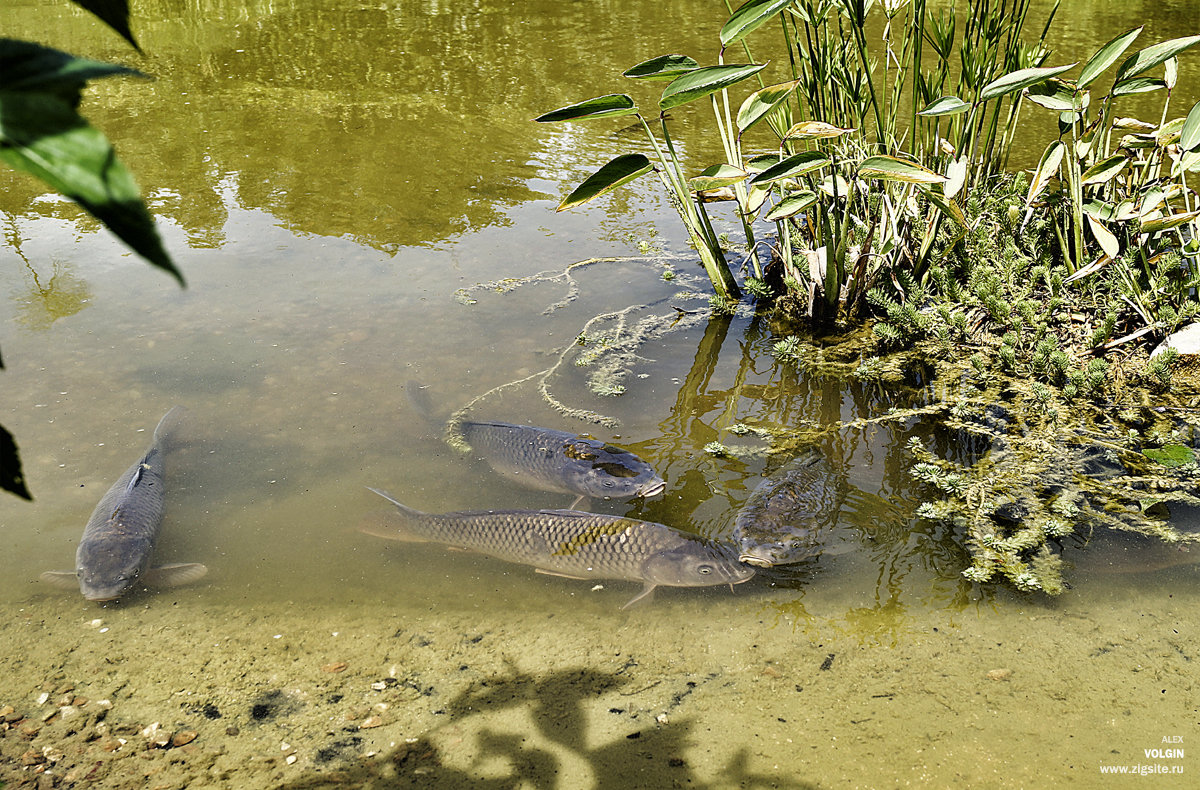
{"x": 704, "y": 570}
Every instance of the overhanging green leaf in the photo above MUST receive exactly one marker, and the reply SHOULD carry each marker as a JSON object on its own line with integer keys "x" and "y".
{"x": 761, "y": 103}
{"x": 664, "y": 67}
{"x": 1148, "y": 58}
{"x": 1055, "y": 94}
{"x": 1104, "y": 170}
{"x": 795, "y": 165}
{"x": 25, "y": 66}
{"x": 1189, "y": 135}
{"x": 946, "y": 105}
{"x": 12, "y": 478}
{"x": 889, "y": 168}
{"x": 41, "y": 134}
{"x": 750, "y": 16}
{"x": 1019, "y": 80}
{"x": 1137, "y": 85}
{"x": 716, "y": 177}
{"x": 114, "y": 13}
{"x": 1105, "y": 57}
{"x": 612, "y": 105}
{"x": 791, "y": 205}
{"x": 616, "y": 173}
{"x": 704, "y": 81}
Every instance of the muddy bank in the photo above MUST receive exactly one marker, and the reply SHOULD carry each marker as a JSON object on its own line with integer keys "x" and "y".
{"x": 690, "y": 691}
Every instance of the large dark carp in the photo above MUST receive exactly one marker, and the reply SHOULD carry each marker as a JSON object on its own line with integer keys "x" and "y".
{"x": 551, "y": 460}
{"x": 114, "y": 553}
{"x": 787, "y": 518}
{"x": 575, "y": 544}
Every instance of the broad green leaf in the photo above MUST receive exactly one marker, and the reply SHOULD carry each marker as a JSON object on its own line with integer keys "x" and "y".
{"x": 1020, "y": 79}
{"x": 704, "y": 81}
{"x": 1046, "y": 169}
{"x": 12, "y": 479}
{"x": 1055, "y": 94}
{"x": 757, "y": 164}
{"x": 794, "y": 165}
{"x": 1189, "y": 135}
{"x": 1108, "y": 242}
{"x": 755, "y": 197}
{"x": 947, "y": 206}
{"x": 1104, "y": 170}
{"x": 889, "y": 168}
{"x": 1138, "y": 85}
{"x": 30, "y": 67}
{"x": 749, "y": 17}
{"x": 716, "y": 177}
{"x": 1132, "y": 125}
{"x": 613, "y": 104}
{"x": 947, "y": 105}
{"x": 815, "y": 130}
{"x": 1166, "y": 223}
{"x": 114, "y": 13}
{"x": 618, "y": 172}
{"x": 1171, "y": 455}
{"x": 664, "y": 67}
{"x": 1169, "y": 132}
{"x": 1105, "y": 57}
{"x": 761, "y": 103}
{"x": 41, "y": 134}
{"x": 1101, "y": 210}
{"x": 1148, "y": 58}
{"x": 1190, "y": 162}
{"x": 792, "y": 205}
{"x": 956, "y": 176}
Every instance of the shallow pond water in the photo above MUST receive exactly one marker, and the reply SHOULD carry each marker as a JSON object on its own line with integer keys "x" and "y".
{"x": 331, "y": 178}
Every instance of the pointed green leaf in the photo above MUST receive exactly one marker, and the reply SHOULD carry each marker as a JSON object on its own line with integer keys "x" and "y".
{"x": 613, "y": 104}
{"x": 1148, "y": 58}
{"x": 1137, "y": 85}
{"x": 792, "y": 205}
{"x": 616, "y": 173}
{"x": 114, "y": 13}
{"x": 664, "y": 67}
{"x": 815, "y": 130}
{"x": 795, "y": 165}
{"x": 1019, "y": 80}
{"x": 1104, "y": 171}
{"x": 716, "y": 177}
{"x": 704, "y": 81}
{"x": 956, "y": 176}
{"x": 947, "y": 105}
{"x": 41, "y": 134}
{"x": 1046, "y": 169}
{"x": 1105, "y": 57}
{"x": 1055, "y": 94}
{"x": 749, "y": 17}
{"x": 25, "y": 66}
{"x": 889, "y": 168}
{"x": 759, "y": 163}
{"x": 761, "y": 103}
{"x": 1167, "y": 223}
{"x": 1189, "y": 135}
{"x": 1108, "y": 242}
{"x": 947, "y": 206}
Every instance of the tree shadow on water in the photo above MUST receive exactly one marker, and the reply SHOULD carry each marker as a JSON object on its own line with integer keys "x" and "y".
{"x": 493, "y": 719}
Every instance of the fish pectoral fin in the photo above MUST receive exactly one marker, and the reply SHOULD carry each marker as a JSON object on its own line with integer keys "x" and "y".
{"x": 175, "y": 574}
{"x": 645, "y": 594}
{"x": 63, "y": 580}
{"x": 560, "y": 573}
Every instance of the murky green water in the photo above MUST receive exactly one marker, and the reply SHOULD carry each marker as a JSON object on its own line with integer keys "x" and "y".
{"x": 328, "y": 175}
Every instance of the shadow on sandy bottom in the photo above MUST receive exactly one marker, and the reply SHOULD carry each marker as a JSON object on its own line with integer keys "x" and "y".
{"x": 529, "y": 731}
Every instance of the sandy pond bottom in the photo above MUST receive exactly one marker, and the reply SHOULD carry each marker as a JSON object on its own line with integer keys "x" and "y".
{"x": 691, "y": 690}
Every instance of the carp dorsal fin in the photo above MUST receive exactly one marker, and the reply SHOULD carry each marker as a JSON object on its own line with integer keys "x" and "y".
{"x": 175, "y": 574}
{"x": 63, "y": 580}
{"x": 645, "y": 594}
